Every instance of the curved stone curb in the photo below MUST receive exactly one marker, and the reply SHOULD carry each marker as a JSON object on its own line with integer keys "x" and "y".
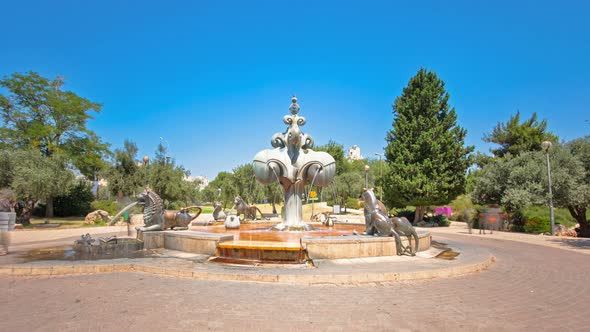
{"x": 307, "y": 279}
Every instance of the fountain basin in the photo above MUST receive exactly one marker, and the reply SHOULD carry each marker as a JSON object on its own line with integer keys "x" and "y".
{"x": 257, "y": 242}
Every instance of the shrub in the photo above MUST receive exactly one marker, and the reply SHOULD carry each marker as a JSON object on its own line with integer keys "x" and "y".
{"x": 562, "y": 216}
{"x": 109, "y": 206}
{"x": 76, "y": 202}
{"x": 409, "y": 214}
{"x": 352, "y": 203}
{"x": 537, "y": 225}
{"x": 518, "y": 221}
{"x": 440, "y": 219}
{"x": 461, "y": 203}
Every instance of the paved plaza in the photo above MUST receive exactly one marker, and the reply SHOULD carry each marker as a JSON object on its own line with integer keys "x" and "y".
{"x": 533, "y": 285}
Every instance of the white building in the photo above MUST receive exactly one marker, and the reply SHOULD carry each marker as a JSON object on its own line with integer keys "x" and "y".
{"x": 354, "y": 153}
{"x": 203, "y": 181}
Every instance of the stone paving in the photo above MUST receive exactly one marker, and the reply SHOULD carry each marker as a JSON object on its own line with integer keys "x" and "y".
{"x": 530, "y": 287}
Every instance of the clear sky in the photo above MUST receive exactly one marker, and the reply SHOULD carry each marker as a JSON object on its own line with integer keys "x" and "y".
{"x": 214, "y": 78}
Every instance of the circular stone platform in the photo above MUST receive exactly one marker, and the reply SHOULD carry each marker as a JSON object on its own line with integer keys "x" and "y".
{"x": 425, "y": 265}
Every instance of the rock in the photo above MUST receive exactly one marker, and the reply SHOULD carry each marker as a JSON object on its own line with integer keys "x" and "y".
{"x": 561, "y": 230}
{"x": 320, "y": 217}
{"x": 96, "y": 217}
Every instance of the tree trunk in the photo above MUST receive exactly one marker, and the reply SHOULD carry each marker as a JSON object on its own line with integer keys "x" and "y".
{"x": 49, "y": 208}
{"x": 584, "y": 225}
{"x": 274, "y": 209}
{"x": 419, "y": 214}
{"x": 579, "y": 213}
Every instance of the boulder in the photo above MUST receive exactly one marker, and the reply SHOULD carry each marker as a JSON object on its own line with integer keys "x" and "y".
{"x": 561, "y": 230}
{"x": 96, "y": 217}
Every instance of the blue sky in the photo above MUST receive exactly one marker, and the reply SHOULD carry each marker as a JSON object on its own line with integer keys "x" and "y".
{"x": 214, "y": 78}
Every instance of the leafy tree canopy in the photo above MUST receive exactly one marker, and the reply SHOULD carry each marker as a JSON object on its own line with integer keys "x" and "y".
{"x": 517, "y": 182}
{"x": 426, "y": 152}
{"x": 39, "y": 114}
{"x": 515, "y": 137}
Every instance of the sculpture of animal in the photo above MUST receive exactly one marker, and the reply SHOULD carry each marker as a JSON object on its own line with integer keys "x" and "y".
{"x": 156, "y": 218}
{"x": 249, "y": 211}
{"x": 404, "y": 227}
{"x": 218, "y": 213}
{"x": 378, "y": 223}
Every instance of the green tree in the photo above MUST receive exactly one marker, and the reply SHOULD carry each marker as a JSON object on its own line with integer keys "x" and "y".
{"x": 41, "y": 178}
{"x": 336, "y": 150}
{"x": 246, "y": 185}
{"x": 426, "y": 152}
{"x": 517, "y": 182}
{"x": 125, "y": 175}
{"x": 515, "y": 137}
{"x": 166, "y": 178}
{"x": 223, "y": 180}
{"x": 38, "y": 114}
{"x": 348, "y": 185}
{"x": 6, "y": 168}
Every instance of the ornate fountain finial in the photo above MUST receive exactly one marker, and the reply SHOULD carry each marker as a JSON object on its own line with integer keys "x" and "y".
{"x": 294, "y": 108}
{"x": 293, "y": 164}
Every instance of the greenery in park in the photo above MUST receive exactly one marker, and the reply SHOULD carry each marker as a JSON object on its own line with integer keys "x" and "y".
{"x": 124, "y": 174}
{"x": 337, "y": 152}
{"x": 39, "y": 115}
{"x": 38, "y": 178}
{"x": 76, "y": 201}
{"x": 169, "y": 180}
{"x": 518, "y": 182}
{"x": 129, "y": 175}
{"x": 515, "y": 137}
{"x": 426, "y": 153}
{"x": 107, "y": 205}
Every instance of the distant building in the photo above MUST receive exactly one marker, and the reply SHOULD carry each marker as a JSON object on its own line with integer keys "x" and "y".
{"x": 354, "y": 153}
{"x": 203, "y": 181}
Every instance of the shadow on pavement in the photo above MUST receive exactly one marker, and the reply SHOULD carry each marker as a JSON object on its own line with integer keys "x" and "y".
{"x": 571, "y": 242}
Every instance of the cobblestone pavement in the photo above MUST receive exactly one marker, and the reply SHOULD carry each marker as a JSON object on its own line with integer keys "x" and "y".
{"x": 530, "y": 287}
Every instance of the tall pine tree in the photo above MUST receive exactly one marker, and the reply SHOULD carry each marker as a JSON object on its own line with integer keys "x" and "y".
{"x": 426, "y": 150}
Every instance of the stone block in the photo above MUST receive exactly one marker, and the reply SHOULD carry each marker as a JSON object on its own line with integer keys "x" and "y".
{"x": 356, "y": 246}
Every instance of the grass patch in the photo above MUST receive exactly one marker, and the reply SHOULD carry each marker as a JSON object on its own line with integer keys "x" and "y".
{"x": 65, "y": 222}
{"x": 562, "y": 216}
{"x": 206, "y": 209}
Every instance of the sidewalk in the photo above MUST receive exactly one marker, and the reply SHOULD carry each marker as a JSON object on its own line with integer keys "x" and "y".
{"x": 580, "y": 245}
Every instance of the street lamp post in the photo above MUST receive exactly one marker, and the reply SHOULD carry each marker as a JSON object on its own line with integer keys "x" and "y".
{"x": 380, "y": 175}
{"x": 366, "y": 176}
{"x": 546, "y": 145}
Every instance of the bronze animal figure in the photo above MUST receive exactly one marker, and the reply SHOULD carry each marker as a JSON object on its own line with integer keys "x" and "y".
{"x": 249, "y": 211}
{"x": 218, "y": 213}
{"x": 156, "y": 218}
{"x": 378, "y": 223}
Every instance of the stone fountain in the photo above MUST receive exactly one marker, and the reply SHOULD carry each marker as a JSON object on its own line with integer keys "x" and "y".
{"x": 293, "y": 164}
